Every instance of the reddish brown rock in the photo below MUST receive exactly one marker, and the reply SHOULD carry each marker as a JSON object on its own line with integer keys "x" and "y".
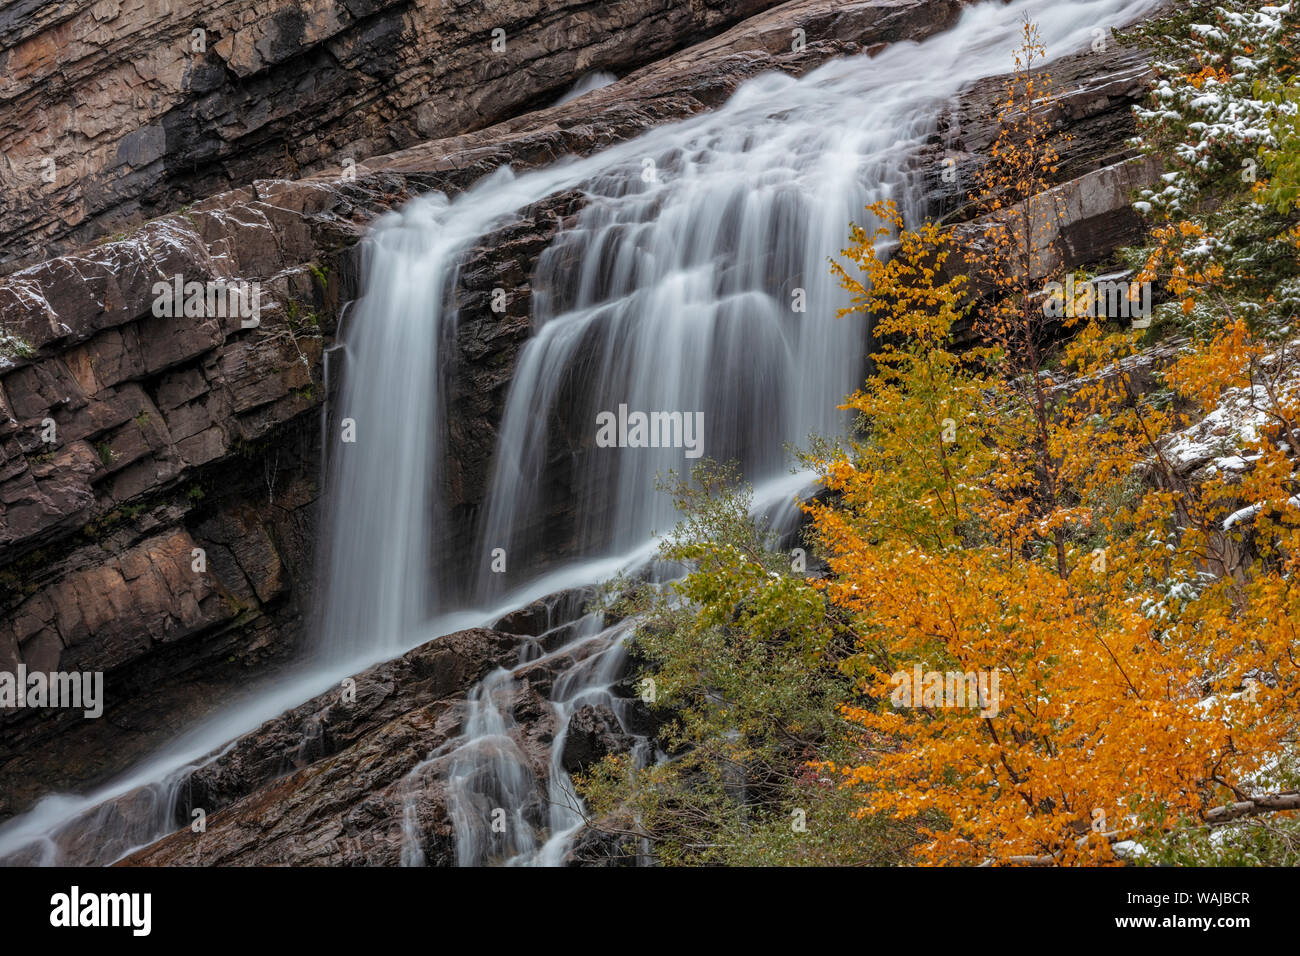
{"x": 175, "y": 430}
{"x": 326, "y": 783}
{"x": 116, "y": 110}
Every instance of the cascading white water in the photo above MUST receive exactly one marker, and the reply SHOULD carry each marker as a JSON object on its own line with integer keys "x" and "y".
{"x": 676, "y": 291}
{"x": 502, "y": 809}
{"x": 694, "y": 284}
{"x": 591, "y": 81}
{"x": 374, "y": 482}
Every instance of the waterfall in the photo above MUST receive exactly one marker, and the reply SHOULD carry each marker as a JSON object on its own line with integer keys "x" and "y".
{"x": 586, "y": 84}
{"x": 694, "y": 285}
{"x": 694, "y": 282}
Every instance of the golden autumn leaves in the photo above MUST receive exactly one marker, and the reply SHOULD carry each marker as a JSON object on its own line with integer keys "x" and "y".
{"x": 1021, "y": 508}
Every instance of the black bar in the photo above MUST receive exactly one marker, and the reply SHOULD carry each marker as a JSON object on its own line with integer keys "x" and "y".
{"x": 951, "y": 907}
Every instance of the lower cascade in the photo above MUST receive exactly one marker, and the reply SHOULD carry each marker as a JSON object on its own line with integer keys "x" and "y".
{"x": 686, "y": 311}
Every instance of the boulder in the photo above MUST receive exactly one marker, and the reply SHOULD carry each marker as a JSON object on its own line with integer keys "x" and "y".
{"x": 593, "y": 733}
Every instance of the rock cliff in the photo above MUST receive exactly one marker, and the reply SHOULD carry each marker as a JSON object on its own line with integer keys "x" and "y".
{"x": 119, "y": 110}
{"x": 132, "y": 444}
{"x": 172, "y": 435}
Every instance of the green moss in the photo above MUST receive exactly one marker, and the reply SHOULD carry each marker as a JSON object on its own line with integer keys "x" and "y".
{"x": 16, "y": 578}
{"x": 95, "y": 530}
{"x": 322, "y": 274}
{"x": 15, "y": 346}
{"x": 302, "y": 321}
{"x": 250, "y": 449}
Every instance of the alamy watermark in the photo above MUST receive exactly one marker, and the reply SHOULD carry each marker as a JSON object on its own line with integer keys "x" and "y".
{"x": 133, "y": 911}
{"x": 968, "y": 689}
{"x": 216, "y": 298}
{"x": 79, "y": 690}
{"x": 1104, "y": 297}
{"x": 651, "y": 430}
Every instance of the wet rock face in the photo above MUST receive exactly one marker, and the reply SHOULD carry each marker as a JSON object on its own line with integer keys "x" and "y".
{"x": 330, "y": 724}
{"x": 115, "y": 111}
{"x": 594, "y": 733}
{"x": 1089, "y": 204}
{"x": 548, "y": 616}
{"x": 177, "y": 434}
{"x": 159, "y": 473}
{"x": 321, "y": 783}
{"x": 173, "y": 435}
{"x": 364, "y": 782}
{"x": 1095, "y": 94}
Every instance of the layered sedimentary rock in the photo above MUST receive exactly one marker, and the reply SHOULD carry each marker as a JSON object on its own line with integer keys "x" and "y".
{"x": 160, "y": 472}
{"x": 1092, "y": 97}
{"x": 369, "y": 787}
{"x": 175, "y": 434}
{"x": 118, "y": 110}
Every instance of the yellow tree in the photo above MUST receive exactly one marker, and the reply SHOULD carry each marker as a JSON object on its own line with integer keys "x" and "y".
{"x": 1015, "y": 250}
{"x": 1063, "y": 640}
